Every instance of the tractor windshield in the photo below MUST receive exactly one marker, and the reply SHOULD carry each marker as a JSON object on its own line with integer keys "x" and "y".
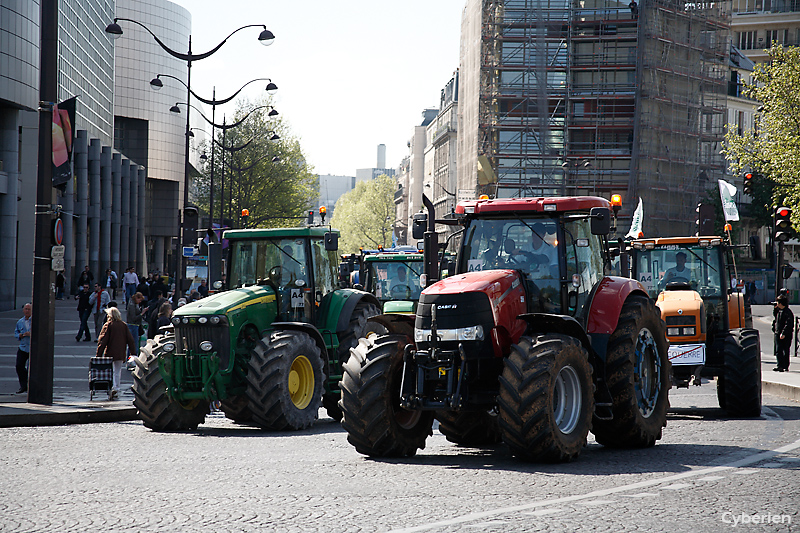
{"x": 394, "y": 280}
{"x": 253, "y": 260}
{"x": 698, "y": 266}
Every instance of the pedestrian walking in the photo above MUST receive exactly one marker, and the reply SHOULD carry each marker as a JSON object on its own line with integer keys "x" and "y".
{"x": 98, "y": 301}
{"x": 111, "y": 283}
{"x": 86, "y": 277}
{"x": 130, "y": 281}
{"x": 134, "y": 316}
{"x": 151, "y": 313}
{"x": 112, "y": 342}
{"x": 60, "y": 285}
{"x": 203, "y": 288}
{"x": 84, "y": 312}
{"x": 783, "y": 326}
{"x": 164, "y": 315}
{"x": 23, "y": 334}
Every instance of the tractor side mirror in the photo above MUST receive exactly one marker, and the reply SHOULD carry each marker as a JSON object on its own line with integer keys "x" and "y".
{"x": 331, "y": 241}
{"x": 419, "y": 225}
{"x": 787, "y": 271}
{"x": 601, "y": 220}
{"x": 448, "y": 267}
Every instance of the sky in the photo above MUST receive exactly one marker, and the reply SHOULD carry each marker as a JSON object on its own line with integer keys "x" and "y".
{"x": 351, "y": 75}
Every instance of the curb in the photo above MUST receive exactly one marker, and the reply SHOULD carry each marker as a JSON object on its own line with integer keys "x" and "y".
{"x": 780, "y": 389}
{"x": 28, "y": 418}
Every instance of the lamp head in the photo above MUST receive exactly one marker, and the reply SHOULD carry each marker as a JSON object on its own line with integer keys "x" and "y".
{"x": 114, "y": 30}
{"x": 203, "y": 156}
{"x": 271, "y": 88}
{"x": 272, "y": 113}
{"x": 191, "y": 134}
{"x": 156, "y": 84}
{"x": 276, "y": 159}
{"x": 266, "y": 37}
{"x": 274, "y": 137}
{"x": 175, "y": 109}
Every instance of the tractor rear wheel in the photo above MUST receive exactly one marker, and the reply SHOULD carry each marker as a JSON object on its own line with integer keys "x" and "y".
{"x": 375, "y": 423}
{"x": 284, "y": 381}
{"x": 740, "y": 391}
{"x": 157, "y": 411}
{"x": 546, "y": 398}
{"x": 469, "y": 428}
{"x": 357, "y": 328}
{"x": 637, "y": 374}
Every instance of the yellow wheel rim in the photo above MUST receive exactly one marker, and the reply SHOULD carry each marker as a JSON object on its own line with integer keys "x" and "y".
{"x": 301, "y": 382}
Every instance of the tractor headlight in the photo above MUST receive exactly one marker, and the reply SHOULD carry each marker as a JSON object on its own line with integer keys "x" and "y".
{"x": 185, "y": 320}
{"x": 214, "y": 320}
{"x": 471, "y": 333}
{"x": 419, "y": 335}
{"x": 176, "y": 321}
{"x": 689, "y": 331}
{"x": 673, "y": 332}
{"x": 202, "y": 320}
{"x": 168, "y": 347}
{"x": 206, "y": 346}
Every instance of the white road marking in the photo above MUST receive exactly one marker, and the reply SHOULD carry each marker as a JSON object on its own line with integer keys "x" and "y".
{"x": 597, "y": 502}
{"x": 711, "y": 478}
{"x": 745, "y": 472}
{"x": 543, "y": 512}
{"x": 640, "y": 495}
{"x": 471, "y": 517}
{"x": 676, "y": 486}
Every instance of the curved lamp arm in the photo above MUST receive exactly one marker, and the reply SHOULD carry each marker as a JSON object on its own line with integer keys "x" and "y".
{"x": 156, "y": 84}
{"x": 229, "y": 126}
{"x": 114, "y": 29}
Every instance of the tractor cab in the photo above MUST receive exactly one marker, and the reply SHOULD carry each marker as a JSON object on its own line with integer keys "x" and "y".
{"x": 393, "y": 277}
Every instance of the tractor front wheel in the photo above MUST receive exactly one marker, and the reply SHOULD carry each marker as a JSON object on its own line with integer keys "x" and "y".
{"x": 739, "y": 390}
{"x": 157, "y": 411}
{"x": 637, "y": 374}
{"x": 375, "y": 423}
{"x": 284, "y": 381}
{"x": 546, "y": 398}
{"x": 469, "y": 428}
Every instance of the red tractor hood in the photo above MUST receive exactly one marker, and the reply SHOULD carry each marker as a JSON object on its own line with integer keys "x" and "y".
{"x": 491, "y": 282}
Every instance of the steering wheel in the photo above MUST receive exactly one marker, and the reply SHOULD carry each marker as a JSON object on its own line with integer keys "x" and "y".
{"x": 400, "y": 289}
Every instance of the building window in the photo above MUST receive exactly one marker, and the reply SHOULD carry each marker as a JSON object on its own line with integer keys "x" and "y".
{"x": 772, "y": 37}
{"x": 746, "y": 40}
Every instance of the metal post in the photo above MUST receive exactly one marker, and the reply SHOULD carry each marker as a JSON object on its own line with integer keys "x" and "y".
{"x": 181, "y": 261}
{"x": 40, "y": 364}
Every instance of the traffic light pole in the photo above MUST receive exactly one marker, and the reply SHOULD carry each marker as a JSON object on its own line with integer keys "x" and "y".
{"x": 779, "y": 270}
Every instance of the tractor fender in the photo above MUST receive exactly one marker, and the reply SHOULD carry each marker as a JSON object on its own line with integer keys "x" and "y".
{"x": 345, "y": 304}
{"x": 563, "y": 324}
{"x": 604, "y": 307}
{"x": 396, "y": 323}
{"x": 307, "y": 328}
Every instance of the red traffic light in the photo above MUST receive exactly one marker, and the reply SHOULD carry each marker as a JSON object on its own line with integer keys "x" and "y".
{"x": 245, "y": 212}
{"x": 783, "y": 224}
{"x": 783, "y": 212}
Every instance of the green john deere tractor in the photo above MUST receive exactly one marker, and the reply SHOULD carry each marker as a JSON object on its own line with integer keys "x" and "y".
{"x": 393, "y": 277}
{"x": 271, "y": 349}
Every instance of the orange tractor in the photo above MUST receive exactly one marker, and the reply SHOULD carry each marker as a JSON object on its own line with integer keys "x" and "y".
{"x": 709, "y": 324}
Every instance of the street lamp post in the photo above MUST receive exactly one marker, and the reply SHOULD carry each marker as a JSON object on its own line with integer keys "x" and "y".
{"x": 570, "y": 168}
{"x": 265, "y": 37}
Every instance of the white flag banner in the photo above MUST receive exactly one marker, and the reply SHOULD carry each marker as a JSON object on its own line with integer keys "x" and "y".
{"x": 726, "y": 194}
{"x": 636, "y": 222}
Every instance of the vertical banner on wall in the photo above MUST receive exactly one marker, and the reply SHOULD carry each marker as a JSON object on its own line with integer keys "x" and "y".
{"x": 63, "y": 120}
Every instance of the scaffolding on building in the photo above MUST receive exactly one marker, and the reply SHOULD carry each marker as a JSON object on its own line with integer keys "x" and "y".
{"x": 602, "y": 97}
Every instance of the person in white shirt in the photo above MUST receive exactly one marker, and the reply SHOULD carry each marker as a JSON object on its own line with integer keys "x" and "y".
{"x": 131, "y": 281}
{"x": 679, "y": 272}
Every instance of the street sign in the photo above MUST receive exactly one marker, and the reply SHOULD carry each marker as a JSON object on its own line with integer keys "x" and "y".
{"x": 57, "y": 264}
{"x": 57, "y": 251}
{"x": 189, "y": 251}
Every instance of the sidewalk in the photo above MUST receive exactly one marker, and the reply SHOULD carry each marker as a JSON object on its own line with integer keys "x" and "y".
{"x": 71, "y": 408}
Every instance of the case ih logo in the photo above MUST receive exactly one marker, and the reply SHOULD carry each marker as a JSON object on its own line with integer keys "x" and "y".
{"x": 447, "y": 306}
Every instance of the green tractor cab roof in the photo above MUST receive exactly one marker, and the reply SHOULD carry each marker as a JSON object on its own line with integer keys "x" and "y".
{"x": 227, "y": 301}
{"x": 317, "y": 231}
{"x": 393, "y": 256}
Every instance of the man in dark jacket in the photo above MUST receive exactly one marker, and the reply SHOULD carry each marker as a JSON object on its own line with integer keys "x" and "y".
{"x": 151, "y": 313}
{"x": 783, "y": 327}
{"x": 84, "y": 312}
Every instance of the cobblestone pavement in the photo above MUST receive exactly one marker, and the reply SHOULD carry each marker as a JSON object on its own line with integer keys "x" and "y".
{"x": 707, "y": 473}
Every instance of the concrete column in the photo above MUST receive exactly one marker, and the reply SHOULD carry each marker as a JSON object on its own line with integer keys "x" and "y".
{"x": 94, "y": 208}
{"x": 116, "y": 212}
{"x": 158, "y": 247}
{"x": 125, "y": 214}
{"x": 68, "y": 203}
{"x": 133, "y": 220}
{"x": 141, "y": 255}
{"x": 9, "y": 183}
{"x": 80, "y": 153}
{"x": 105, "y": 210}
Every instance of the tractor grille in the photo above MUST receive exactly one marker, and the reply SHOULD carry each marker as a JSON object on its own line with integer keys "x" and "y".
{"x": 189, "y": 336}
{"x": 680, "y": 320}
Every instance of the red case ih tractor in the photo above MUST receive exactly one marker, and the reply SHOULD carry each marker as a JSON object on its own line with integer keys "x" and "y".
{"x": 528, "y": 343}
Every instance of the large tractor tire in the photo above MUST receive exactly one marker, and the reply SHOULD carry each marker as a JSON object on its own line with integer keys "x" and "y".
{"x": 156, "y": 410}
{"x": 739, "y": 389}
{"x": 470, "y": 428}
{"x": 546, "y": 398}
{"x": 357, "y": 328}
{"x": 638, "y": 377}
{"x": 237, "y": 409}
{"x": 284, "y": 381}
{"x": 375, "y": 423}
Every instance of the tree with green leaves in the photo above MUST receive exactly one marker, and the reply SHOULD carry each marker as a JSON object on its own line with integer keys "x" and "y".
{"x": 269, "y": 177}
{"x": 771, "y": 151}
{"x": 365, "y": 215}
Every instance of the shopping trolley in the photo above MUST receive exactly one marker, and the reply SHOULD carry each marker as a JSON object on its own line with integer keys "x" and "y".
{"x": 101, "y": 375}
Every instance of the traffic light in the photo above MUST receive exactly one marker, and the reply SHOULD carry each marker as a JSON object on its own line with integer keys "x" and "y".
{"x": 748, "y": 184}
{"x": 310, "y": 220}
{"x": 705, "y": 219}
{"x": 783, "y": 224}
{"x": 189, "y": 225}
